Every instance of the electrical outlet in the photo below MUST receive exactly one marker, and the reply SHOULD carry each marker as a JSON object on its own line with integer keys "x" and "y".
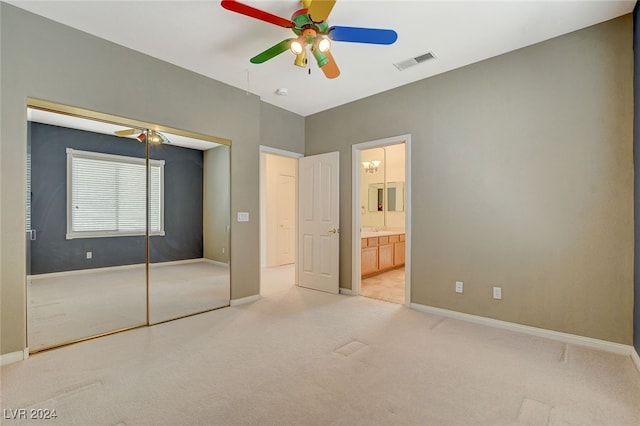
{"x": 459, "y": 286}
{"x": 89, "y": 255}
{"x": 222, "y": 250}
{"x": 497, "y": 292}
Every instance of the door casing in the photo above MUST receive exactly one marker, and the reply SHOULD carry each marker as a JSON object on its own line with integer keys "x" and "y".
{"x": 356, "y": 149}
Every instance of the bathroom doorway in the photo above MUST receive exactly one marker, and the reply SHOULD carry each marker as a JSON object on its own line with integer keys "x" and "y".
{"x": 278, "y": 218}
{"x": 381, "y": 220}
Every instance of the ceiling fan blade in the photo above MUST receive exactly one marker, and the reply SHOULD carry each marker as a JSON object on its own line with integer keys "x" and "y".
{"x": 319, "y": 10}
{"x": 271, "y": 52}
{"x": 363, "y": 35}
{"x": 330, "y": 69}
{"x": 251, "y": 11}
{"x": 126, "y": 132}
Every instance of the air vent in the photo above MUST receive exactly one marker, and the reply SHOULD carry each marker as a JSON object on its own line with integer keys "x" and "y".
{"x": 407, "y": 63}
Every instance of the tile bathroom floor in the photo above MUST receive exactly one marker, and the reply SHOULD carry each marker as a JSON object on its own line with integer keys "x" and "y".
{"x": 388, "y": 286}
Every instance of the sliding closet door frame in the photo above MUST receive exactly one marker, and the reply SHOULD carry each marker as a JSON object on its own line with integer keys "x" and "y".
{"x": 63, "y": 109}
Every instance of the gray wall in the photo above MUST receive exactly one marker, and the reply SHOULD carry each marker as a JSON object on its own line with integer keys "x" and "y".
{"x": 281, "y": 129}
{"x": 522, "y": 177}
{"x": 52, "y": 252}
{"x": 636, "y": 162}
{"x": 216, "y": 204}
{"x": 46, "y": 60}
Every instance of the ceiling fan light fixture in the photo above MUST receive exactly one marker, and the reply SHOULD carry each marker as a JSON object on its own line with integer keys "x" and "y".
{"x": 301, "y": 59}
{"x": 297, "y": 46}
{"x": 323, "y": 44}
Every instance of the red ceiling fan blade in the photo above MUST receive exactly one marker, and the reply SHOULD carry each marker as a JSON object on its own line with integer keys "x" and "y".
{"x": 251, "y": 11}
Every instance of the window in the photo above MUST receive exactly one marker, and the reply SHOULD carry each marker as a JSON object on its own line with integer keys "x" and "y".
{"x": 106, "y": 195}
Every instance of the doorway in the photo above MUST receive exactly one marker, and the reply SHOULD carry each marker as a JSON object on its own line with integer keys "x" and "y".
{"x": 278, "y": 219}
{"x": 381, "y": 188}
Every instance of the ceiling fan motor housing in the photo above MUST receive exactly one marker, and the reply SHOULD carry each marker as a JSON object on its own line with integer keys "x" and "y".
{"x": 303, "y": 22}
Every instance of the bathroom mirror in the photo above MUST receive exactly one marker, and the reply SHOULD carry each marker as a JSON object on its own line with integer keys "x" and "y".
{"x": 376, "y": 197}
{"x": 394, "y": 201}
{"x": 395, "y": 196}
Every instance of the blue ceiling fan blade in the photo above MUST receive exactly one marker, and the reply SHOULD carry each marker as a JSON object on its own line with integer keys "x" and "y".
{"x": 363, "y": 35}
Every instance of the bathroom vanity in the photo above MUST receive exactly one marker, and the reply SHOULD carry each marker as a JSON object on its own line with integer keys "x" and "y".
{"x": 381, "y": 251}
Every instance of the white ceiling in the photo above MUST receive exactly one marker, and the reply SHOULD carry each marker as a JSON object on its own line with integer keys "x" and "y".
{"x": 62, "y": 120}
{"x": 203, "y": 37}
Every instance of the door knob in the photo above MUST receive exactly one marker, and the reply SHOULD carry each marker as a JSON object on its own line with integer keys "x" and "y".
{"x": 334, "y": 231}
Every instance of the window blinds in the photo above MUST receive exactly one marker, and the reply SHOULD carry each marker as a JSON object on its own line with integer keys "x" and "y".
{"x": 107, "y": 195}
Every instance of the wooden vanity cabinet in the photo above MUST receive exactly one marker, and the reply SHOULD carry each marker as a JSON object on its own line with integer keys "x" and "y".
{"x": 398, "y": 250}
{"x": 382, "y": 253}
{"x": 369, "y": 256}
{"x": 385, "y": 254}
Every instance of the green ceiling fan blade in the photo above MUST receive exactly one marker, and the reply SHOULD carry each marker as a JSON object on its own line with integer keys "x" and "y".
{"x": 271, "y": 52}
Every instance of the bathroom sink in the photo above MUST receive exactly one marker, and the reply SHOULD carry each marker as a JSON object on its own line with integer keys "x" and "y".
{"x": 369, "y": 234}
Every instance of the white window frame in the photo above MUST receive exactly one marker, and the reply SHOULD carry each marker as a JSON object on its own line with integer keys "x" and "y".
{"x": 74, "y": 153}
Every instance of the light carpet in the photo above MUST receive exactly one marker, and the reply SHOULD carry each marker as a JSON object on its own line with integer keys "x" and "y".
{"x": 301, "y": 357}
{"x": 96, "y": 301}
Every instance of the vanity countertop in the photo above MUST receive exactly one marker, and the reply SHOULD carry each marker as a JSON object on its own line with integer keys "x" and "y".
{"x": 370, "y": 234}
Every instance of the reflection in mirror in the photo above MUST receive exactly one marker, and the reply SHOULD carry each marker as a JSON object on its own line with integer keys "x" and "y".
{"x": 376, "y": 197}
{"x": 86, "y": 231}
{"x": 189, "y": 269}
{"x": 89, "y": 191}
{"x": 395, "y": 196}
{"x": 382, "y": 188}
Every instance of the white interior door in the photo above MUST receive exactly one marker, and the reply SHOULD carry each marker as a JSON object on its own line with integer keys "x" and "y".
{"x": 318, "y": 210}
{"x": 286, "y": 213}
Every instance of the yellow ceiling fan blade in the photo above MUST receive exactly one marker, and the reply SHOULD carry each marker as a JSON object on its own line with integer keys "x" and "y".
{"x": 319, "y": 10}
{"x": 127, "y": 132}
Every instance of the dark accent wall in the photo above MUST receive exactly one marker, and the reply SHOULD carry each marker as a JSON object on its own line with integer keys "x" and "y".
{"x": 636, "y": 166}
{"x": 52, "y": 252}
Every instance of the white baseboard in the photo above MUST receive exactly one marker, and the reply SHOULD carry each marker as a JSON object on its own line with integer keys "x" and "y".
{"x": 346, "y": 291}
{"x": 12, "y": 357}
{"x": 574, "y": 339}
{"x": 635, "y": 358}
{"x": 120, "y": 268}
{"x": 216, "y": 262}
{"x": 244, "y": 300}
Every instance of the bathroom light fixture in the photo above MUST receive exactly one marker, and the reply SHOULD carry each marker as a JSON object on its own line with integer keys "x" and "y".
{"x": 371, "y": 166}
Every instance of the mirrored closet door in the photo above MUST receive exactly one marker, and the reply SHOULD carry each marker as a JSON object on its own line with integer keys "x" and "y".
{"x": 189, "y": 227}
{"x": 126, "y": 227}
{"x": 86, "y": 235}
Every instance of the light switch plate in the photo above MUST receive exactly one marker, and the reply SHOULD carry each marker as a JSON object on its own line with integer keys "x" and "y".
{"x": 243, "y": 216}
{"x": 497, "y": 293}
{"x": 459, "y": 286}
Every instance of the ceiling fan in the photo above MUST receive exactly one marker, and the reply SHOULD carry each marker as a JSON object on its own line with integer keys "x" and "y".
{"x": 312, "y": 30}
{"x": 154, "y": 136}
